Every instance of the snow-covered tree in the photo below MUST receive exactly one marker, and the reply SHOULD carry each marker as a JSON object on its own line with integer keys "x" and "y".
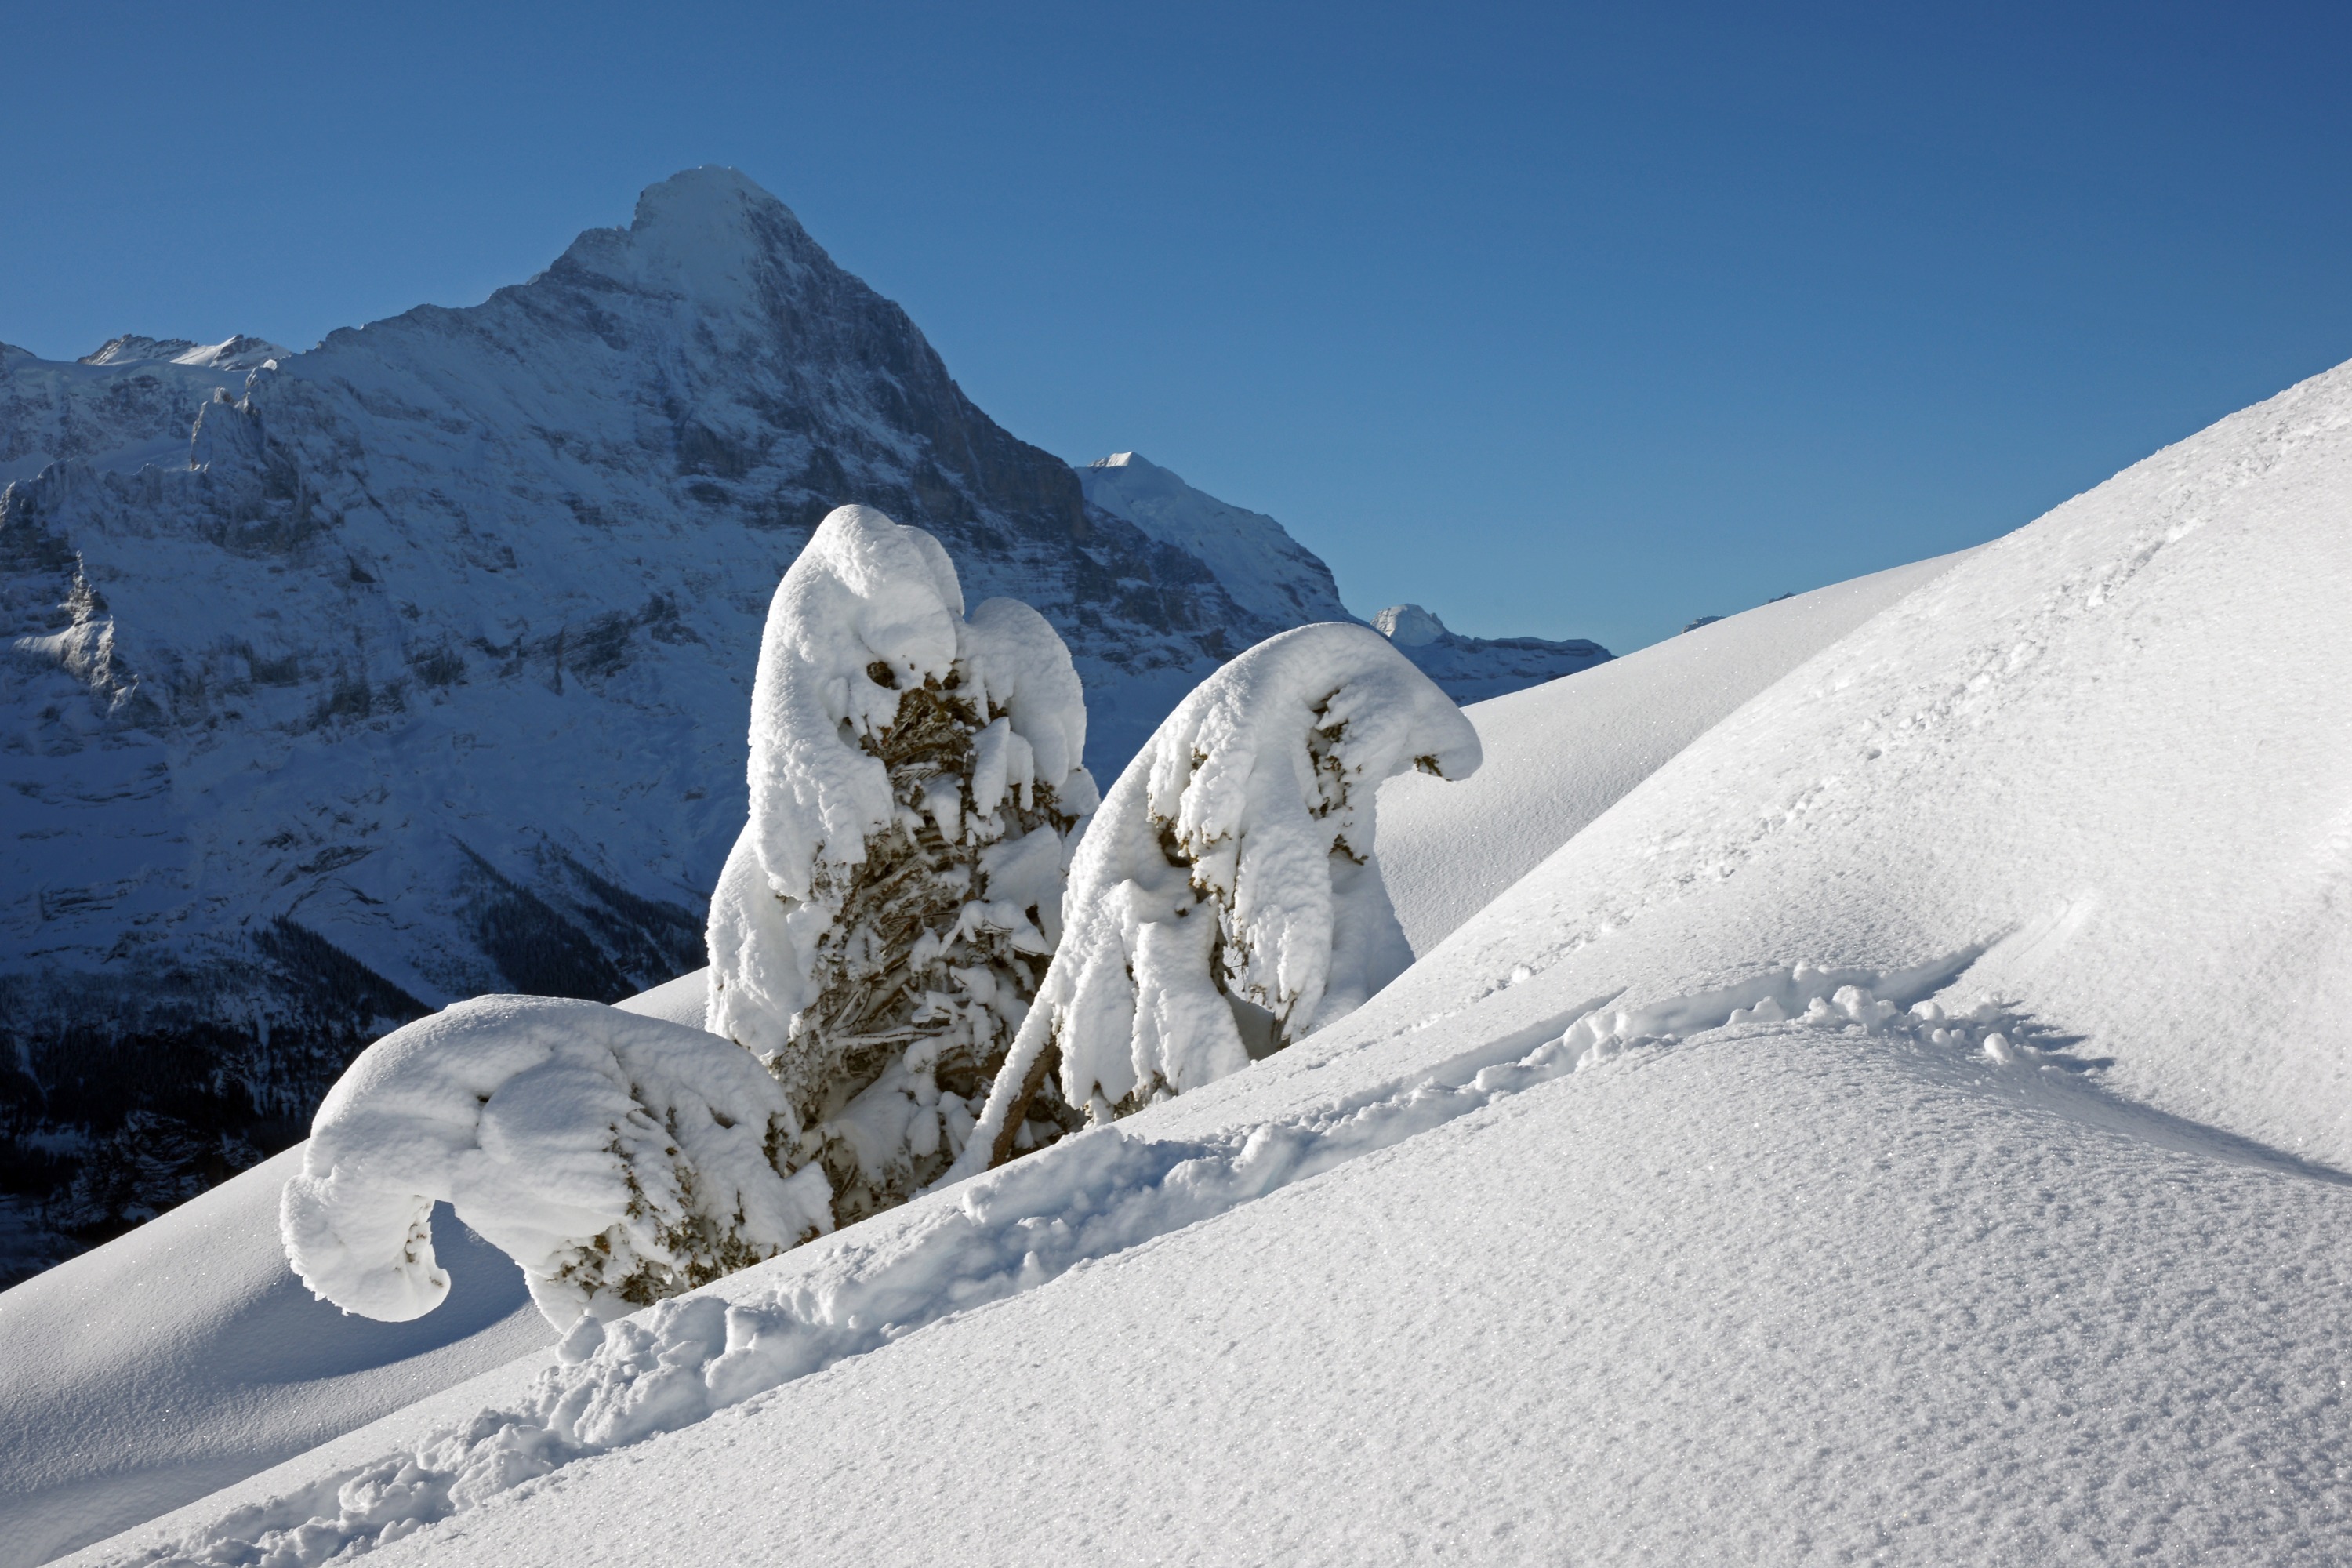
{"x": 1225, "y": 899}
{"x": 618, "y": 1159}
{"x": 886, "y": 917}
{"x": 875, "y": 938}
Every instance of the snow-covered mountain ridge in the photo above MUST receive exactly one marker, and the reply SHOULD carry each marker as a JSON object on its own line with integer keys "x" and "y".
{"x": 418, "y": 668}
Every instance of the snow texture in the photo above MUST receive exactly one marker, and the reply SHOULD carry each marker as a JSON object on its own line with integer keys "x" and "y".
{"x": 2018, "y": 1237}
{"x": 1557, "y": 756}
{"x": 1230, "y": 874}
{"x": 618, "y": 1159}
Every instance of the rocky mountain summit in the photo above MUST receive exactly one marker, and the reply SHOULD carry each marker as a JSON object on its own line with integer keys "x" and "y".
{"x": 345, "y": 683}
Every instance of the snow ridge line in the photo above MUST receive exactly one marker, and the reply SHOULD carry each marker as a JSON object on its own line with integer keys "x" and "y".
{"x": 1089, "y": 1197}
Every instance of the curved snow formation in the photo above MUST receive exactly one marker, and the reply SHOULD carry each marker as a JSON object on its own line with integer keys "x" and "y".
{"x": 616, "y": 1158}
{"x": 1230, "y": 873}
{"x": 184, "y": 1356}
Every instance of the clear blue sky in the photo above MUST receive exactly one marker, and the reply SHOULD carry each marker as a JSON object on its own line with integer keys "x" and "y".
{"x": 1562, "y": 321}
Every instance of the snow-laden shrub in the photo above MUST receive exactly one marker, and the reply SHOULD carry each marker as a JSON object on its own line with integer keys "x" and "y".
{"x": 618, "y": 1159}
{"x": 1225, "y": 899}
{"x": 892, "y": 903}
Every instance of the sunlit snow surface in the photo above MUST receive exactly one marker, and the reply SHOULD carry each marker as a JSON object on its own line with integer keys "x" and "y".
{"x": 1660, "y": 1209}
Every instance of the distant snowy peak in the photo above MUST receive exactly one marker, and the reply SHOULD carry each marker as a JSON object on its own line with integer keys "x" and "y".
{"x": 1408, "y": 625}
{"x": 126, "y": 406}
{"x": 1263, "y": 568}
{"x": 239, "y": 352}
{"x": 418, "y": 667}
{"x": 1472, "y": 670}
{"x": 1267, "y": 571}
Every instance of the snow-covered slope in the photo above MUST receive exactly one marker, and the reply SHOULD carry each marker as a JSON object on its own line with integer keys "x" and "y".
{"x": 1555, "y": 758}
{"x": 421, "y": 669}
{"x": 1640, "y": 1217}
{"x": 1558, "y": 755}
{"x": 1471, "y": 669}
{"x": 185, "y": 1356}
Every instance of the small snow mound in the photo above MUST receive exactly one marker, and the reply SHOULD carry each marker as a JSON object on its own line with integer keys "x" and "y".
{"x": 1408, "y": 625}
{"x": 616, "y": 1158}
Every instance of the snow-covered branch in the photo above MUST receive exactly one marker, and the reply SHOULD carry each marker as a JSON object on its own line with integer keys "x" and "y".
{"x": 886, "y": 916}
{"x": 1225, "y": 899}
{"x": 618, "y": 1159}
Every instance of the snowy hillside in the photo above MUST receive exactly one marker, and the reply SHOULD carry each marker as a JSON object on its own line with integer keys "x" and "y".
{"x": 418, "y": 670}
{"x": 1912, "y": 1122}
{"x": 1265, "y": 570}
{"x": 205, "y": 1287}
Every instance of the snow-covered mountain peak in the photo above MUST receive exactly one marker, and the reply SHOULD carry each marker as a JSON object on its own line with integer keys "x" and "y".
{"x": 1408, "y": 625}
{"x": 428, "y": 652}
{"x": 132, "y": 348}
{"x": 235, "y": 353}
{"x": 701, "y": 235}
{"x": 239, "y": 352}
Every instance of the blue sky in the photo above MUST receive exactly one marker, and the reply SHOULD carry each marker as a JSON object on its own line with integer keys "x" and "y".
{"x": 1559, "y": 321}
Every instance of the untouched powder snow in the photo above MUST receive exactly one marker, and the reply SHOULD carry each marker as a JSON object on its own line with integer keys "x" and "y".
{"x": 186, "y": 1355}
{"x": 1558, "y": 755}
{"x": 1909, "y": 1124}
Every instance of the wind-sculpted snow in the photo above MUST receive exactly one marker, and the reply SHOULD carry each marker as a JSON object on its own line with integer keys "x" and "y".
{"x": 618, "y": 1159}
{"x": 1089, "y": 1197}
{"x": 414, "y": 667}
{"x": 1231, "y": 873}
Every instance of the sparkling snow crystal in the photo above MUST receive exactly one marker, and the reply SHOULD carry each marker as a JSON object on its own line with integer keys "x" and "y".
{"x": 1226, "y": 901}
{"x": 887, "y": 915}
